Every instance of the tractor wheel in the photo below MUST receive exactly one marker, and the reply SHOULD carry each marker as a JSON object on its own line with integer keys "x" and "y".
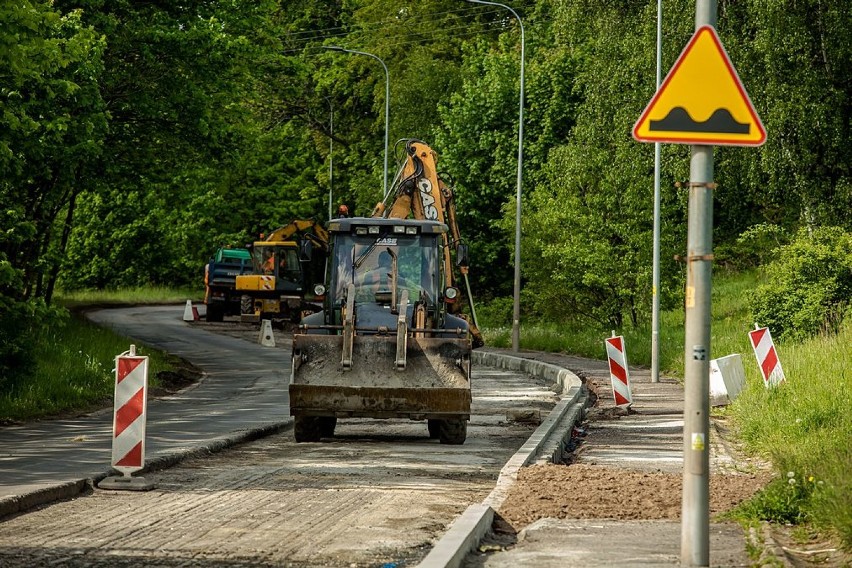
{"x": 327, "y": 425}
{"x": 215, "y": 313}
{"x": 434, "y": 428}
{"x": 452, "y": 432}
{"x": 306, "y": 429}
{"x": 246, "y": 305}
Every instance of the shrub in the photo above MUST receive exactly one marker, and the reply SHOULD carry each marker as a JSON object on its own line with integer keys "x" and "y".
{"x": 809, "y": 285}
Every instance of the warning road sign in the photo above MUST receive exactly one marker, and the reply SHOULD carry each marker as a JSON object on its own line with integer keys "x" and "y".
{"x": 701, "y": 101}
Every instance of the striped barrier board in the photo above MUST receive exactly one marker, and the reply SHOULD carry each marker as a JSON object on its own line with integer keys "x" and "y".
{"x": 767, "y": 357}
{"x": 131, "y": 402}
{"x": 616, "y": 354}
{"x": 128, "y": 425}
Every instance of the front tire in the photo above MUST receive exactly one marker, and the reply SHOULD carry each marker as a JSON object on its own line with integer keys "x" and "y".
{"x": 453, "y": 432}
{"x": 306, "y": 429}
{"x": 327, "y": 424}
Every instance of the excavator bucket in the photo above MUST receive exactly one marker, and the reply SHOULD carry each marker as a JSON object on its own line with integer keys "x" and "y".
{"x": 380, "y": 376}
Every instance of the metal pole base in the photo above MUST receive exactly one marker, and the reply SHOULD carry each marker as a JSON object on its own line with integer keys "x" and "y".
{"x": 126, "y": 483}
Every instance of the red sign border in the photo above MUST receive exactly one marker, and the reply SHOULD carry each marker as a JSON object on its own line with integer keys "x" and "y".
{"x": 732, "y": 72}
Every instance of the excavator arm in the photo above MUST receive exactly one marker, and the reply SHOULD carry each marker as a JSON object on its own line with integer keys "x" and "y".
{"x": 303, "y": 228}
{"x": 422, "y": 194}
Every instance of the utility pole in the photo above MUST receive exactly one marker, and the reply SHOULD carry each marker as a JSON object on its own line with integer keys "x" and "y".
{"x": 695, "y": 516}
{"x": 703, "y": 82}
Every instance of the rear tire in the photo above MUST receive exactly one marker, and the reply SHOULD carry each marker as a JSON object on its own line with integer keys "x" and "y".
{"x": 452, "y": 432}
{"x": 215, "y": 313}
{"x": 306, "y": 429}
{"x": 434, "y": 428}
{"x": 327, "y": 425}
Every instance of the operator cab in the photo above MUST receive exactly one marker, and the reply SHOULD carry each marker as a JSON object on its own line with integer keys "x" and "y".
{"x": 278, "y": 261}
{"x": 383, "y": 258}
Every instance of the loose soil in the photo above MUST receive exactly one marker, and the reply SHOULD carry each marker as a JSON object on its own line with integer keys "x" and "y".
{"x": 588, "y": 491}
{"x": 601, "y": 492}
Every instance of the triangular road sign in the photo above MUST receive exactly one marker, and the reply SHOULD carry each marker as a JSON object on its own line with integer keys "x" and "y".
{"x": 701, "y": 101}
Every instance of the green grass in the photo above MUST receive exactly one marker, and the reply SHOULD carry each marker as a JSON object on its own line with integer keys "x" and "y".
{"x": 141, "y": 295}
{"x": 804, "y": 427}
{"x": 75, "y": 362}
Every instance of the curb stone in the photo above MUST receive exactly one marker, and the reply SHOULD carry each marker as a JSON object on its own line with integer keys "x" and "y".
{"x": 465, "y": 533}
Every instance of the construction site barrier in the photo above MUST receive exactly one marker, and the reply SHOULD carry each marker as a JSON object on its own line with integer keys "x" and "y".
{"x": 616, "y": 354}
{"x": 767, "y": 357}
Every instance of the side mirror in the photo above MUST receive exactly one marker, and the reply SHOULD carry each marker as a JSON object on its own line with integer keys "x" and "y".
{"x": 306, "y": 251}
{"x": 462, "y": 257}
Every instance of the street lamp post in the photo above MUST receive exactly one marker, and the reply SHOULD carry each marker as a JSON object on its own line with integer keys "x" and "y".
{"x": 330, "y": 155}
{"x": 655, "y": 277}
{"x": 516, "y": 310}
{"x": 387, "y": 104}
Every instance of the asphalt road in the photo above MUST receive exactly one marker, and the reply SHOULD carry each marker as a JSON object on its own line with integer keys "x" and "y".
{"x": 379, "y": 492}
{"x": 245, "y": 387}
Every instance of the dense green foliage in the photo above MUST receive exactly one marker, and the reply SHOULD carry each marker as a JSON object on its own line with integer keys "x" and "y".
{"x": 809, "y": 285}
{"x": 137, "y": 137}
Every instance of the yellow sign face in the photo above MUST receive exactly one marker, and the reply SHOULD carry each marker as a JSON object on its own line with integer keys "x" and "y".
{"x": 701, "y": 101}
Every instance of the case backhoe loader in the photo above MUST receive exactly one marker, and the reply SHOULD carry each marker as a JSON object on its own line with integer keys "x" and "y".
{"x": 387, "y": 343}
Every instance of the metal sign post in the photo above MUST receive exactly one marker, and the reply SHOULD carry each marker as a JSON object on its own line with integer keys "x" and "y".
{"x": 702, "y": 102}
{"x": 695, "y": 512}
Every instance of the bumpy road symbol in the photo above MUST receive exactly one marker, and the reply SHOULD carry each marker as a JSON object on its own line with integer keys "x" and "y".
{"x": 701, "y": 101}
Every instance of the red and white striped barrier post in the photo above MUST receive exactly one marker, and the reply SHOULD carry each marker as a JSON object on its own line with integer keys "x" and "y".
{"x": 767, "y": 357}
{"x": 618, "y": 373}
{"x": 129, "y": 421}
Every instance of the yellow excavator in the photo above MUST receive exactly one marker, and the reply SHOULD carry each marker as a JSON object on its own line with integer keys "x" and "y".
{"x": 388, "y": 342}
{"x": 287, "y": 265}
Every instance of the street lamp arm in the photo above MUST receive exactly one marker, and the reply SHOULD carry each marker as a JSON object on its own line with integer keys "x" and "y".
{"x": 387, "y": 104}
{"x": 517, "y": 17}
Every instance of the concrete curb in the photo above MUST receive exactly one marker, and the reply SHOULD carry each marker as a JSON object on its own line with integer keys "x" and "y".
{"x": 70, "y": 489}
{"x": 465, "y": 533}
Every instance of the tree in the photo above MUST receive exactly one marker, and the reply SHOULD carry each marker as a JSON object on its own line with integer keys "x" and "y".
{"x": 589, "y": 225}
{"x": 52, "y": 123}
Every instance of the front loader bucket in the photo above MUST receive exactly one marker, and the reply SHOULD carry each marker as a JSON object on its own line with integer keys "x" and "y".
{"x": 435, "y": 381}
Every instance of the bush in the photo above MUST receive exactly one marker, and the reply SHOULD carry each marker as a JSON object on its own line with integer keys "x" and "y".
{"x": 752, "y": 248}
{"x": 19, "y": 322}
{"x": 809, "y": 285}
{"x": 496, "y": 312}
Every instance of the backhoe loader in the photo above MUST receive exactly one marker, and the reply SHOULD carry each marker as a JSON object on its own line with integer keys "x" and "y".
{"x": 386, "y": 344}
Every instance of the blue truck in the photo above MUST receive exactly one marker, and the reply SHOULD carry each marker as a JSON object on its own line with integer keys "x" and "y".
{"x": 220, "y": 276}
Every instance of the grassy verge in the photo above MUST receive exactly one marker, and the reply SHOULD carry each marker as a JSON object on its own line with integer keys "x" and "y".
{"x": 730, "y": 326}
{"x": 804, "y": 426}
{"x": 147, "y": 295}
{"x": 75, "y": 360}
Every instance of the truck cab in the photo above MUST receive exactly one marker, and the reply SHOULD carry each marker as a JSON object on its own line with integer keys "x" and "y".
{"x": 220, "y": 275}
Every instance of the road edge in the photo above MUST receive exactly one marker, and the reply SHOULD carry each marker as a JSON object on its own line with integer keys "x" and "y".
{"x": 44, "y": 495}
{"x": 466, "y": 532}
